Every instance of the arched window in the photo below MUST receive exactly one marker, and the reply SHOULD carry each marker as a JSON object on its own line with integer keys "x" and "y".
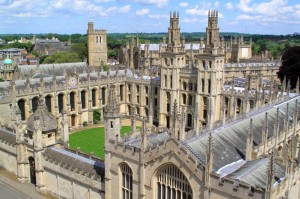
{"x": 72, "y": 101}
{"x": 184, "y": 98}
{"x": 48, "y": 100}
{"x": 172, "y": 184}
{"x": 103, "y": 95}
{"x": 121, "y": 92}
{"x": 60, "y": 102}
{"x": 21, "y": 105}
{"x": 209, "y": 85}
{"x": 34, "y": 103}
{"x": 166, "y": 81}
{"x": 252, "y": 104}
{"x": 184, "y": 85}
{"x": 83, "y": 99}
{"x": 190, "y": 100}
{"x": 126, "y": 181}
{"x": 189, "y": 120}
{"x": 203, "y": 84}
{"x": 94, "y": 91}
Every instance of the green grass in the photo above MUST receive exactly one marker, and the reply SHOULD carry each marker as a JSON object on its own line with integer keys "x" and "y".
{"x": 92, "y": 140}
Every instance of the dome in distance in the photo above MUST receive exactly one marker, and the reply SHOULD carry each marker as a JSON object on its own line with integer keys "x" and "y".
{"x": 7, "y": 61}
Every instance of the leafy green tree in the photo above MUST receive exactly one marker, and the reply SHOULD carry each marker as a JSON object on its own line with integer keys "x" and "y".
{"x": 80, "y": 49}
{"x": 27, "y": 46}
{"x": 35, "y": 53}
{"x": 42, "y": 58}
{"x": 113, "y": 53}
{"x": 62, "y": 57}
{"x": 96, "y": 116}
{"x": 290, "y": 66}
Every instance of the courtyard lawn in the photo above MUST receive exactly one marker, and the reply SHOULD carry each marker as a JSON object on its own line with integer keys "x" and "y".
{"x": 92, "y": 140}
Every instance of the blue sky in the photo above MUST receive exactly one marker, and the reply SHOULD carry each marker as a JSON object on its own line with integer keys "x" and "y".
{"x": 72, "y": 16}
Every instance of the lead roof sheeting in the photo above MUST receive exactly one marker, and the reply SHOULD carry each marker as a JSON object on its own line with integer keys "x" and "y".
{"x": 230, "y": 141}
{"x": 255, "y": 173}
{"x": 48, "y": 68}
{"x": 7, "y": 136}
{"x": 153, "y": 140}
{"x": 75, "y": 161}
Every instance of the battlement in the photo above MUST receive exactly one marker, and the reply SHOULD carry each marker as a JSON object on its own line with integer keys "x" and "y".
{"x": 95, "y": 31}
{"x": 174, "y": 15}
{"x": 100, "y": 31}
{"x": 212, "y": 14}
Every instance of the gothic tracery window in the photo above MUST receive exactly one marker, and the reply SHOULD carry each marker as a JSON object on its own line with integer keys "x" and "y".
{"x": 172, "y": 184}
{"x": 126, "y": 181}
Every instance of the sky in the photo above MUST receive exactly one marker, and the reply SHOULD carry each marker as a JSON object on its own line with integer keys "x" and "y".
{"x": 148, "y": 16}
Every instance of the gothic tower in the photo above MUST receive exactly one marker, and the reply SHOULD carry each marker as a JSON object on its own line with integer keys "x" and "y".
{"x": 212, "y": 30}
{"x": 210, "y": 74}
{"x": 173, "y": 59}
{"x": 112, "y": 132}
{"x": 97, "y": 46}
{"x": 112, "y": 116}
{"x": 174, "y": 30}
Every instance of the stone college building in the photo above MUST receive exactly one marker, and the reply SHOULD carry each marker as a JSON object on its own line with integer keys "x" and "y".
{"x": 214, "y": 124}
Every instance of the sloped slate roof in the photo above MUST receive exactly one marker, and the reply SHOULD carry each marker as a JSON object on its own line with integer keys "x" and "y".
{"x": 47, "y": 119}
{"x": 153, "y": 140}
{"x": 255, "y": 172}
{"x": 230, "y": 140}
{"x": 7, "y": 136}
{"x": 57, "y": 69}
{"x": 75, "y": 162}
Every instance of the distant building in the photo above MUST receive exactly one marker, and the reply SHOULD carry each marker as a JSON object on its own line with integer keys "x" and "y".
{"x": 13, "y": 53}
{"x": 50, "y": 46}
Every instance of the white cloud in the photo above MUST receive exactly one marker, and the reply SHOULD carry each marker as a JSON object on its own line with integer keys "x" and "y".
{"x": 271, "y": 11}
{"x": 196, "y": 11}
{"x": 142, "y": 12}
{"x": 125, "y": 9}
{"x": 158, "y": 16}
{"x": 158, "y": 3}
{"x": 184, "y": 4}
{"x": 244, "y": 7}
{"x": 21, "y": 15}
{"x": 229, "y": 6}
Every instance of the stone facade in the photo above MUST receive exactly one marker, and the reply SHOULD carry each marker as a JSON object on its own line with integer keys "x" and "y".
{"x": 199, "y": 137}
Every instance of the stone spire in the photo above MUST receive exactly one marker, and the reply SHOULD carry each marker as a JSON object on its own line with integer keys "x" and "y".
{"x": 144, "y": 136}
{"x": 133, "y": 117}
{"x": 174, "y": 118}
{"x": 209, "y": 159}
{"x": 270, "y": 176}
{"x": 182, "y": 123}
{"x": 249, "y": 145}
{"x": 112, "y": 109}
{"x": 265, "y": 133}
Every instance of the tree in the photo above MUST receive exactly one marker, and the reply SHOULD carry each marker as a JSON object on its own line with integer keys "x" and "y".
{"x": 96, "y": 116}
{"x": 80, "y": 49}
{"x": 62, "y": 57}
{"x": 290, "y": 66}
